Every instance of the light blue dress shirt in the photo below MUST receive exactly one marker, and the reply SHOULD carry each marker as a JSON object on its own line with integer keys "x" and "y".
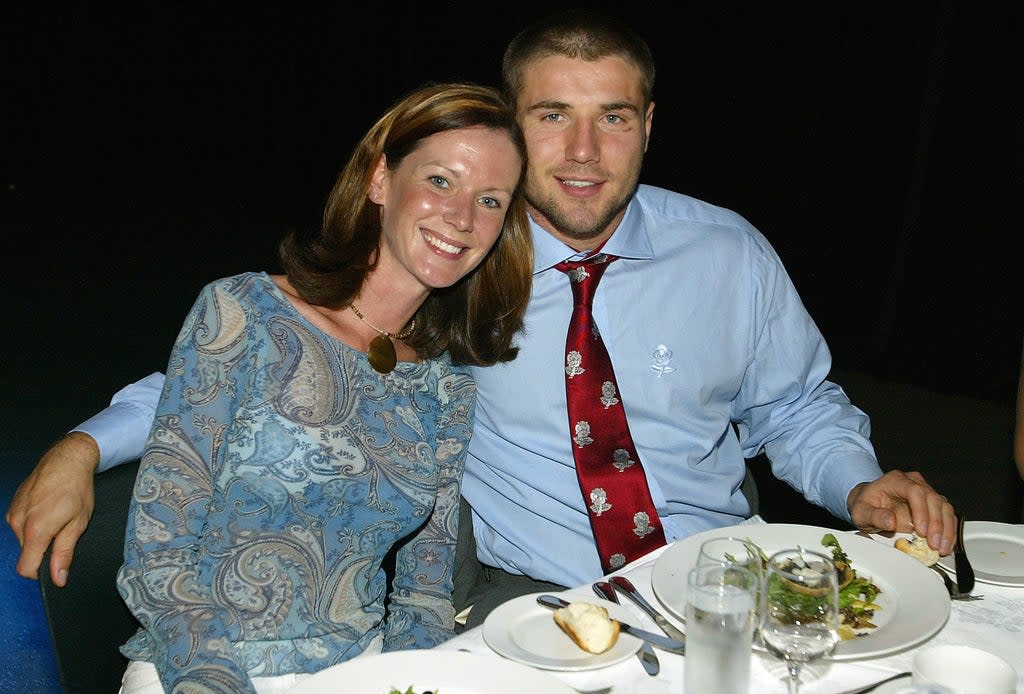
{"x": 706, "y": 331}
{"x": 704, "y": 328}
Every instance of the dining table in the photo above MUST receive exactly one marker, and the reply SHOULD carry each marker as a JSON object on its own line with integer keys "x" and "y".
{"x": 994, "y": 623}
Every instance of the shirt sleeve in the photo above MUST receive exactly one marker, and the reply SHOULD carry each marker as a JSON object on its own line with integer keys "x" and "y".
{"x": 421, "y": 612}
{"x": 188, "y": 636}
{"x": 120, "y": 430}
{"x": 817, "y": 440}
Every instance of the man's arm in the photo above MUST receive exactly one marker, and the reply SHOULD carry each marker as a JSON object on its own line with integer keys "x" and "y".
{"x": 55, "y": 502}
{"x": 817, "y": 440}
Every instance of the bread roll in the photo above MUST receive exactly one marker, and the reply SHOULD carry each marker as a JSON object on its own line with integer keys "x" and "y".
{"x": 918, "y": 548}
{"x": 588, "y": 625}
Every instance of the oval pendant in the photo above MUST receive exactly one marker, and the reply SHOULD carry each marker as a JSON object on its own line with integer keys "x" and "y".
{"x": 381, "y": 354}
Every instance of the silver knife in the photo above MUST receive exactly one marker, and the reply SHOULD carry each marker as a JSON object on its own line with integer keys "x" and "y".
{"x": 626, "y": 587}
{"x": 648, "y": 658}
{"x": 662, "y": 642}
{"x": 964, "y": 570}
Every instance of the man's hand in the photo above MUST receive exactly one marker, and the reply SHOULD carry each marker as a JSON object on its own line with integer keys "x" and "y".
{"x": 903, "y": 502}
{"x": 54, "y": 504}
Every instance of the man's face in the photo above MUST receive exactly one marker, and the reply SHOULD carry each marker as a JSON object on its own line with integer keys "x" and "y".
{"x": 586, "y": 133}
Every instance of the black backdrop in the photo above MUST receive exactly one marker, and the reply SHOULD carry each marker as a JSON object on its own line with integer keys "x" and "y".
{"x": 153, "y": 147}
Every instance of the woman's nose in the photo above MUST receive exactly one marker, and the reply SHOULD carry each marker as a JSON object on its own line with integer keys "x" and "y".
{"x": 458, "y": 213}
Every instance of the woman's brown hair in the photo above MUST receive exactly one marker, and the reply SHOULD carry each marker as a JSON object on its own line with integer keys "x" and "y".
{"x": 476, "y": 318}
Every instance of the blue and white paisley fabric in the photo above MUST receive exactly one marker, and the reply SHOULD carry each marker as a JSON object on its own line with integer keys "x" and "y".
{"x": 280, "y": 471}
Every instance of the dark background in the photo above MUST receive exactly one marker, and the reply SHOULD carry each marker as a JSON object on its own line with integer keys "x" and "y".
{"x": 154, "y": 147}
{"x": 150, "y": 148}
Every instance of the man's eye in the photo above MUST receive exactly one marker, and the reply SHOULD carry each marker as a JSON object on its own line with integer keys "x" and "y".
{"x": 613, "y": 118}
{"x": 552, "y": 117}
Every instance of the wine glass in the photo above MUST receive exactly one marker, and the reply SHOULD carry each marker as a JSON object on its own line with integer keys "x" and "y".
{"x": 799, "y": 609}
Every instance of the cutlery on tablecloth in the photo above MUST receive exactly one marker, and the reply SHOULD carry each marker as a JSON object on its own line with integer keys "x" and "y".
{"x": 648, "y": 658}
{"x": 964, "y": 570}
{"x": 951, "y": 587}
{"x": 954, "y": 592}
{"x": 874, "y": 685}
{"x": 626, "y": 587}
{"x": 662, "y": 642}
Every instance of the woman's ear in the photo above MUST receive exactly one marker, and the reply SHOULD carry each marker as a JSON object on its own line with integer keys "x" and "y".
{"x": 375, "y": 190}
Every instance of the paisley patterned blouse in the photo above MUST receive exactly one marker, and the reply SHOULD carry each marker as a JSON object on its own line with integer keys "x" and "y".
{"x": 280, "y": 471}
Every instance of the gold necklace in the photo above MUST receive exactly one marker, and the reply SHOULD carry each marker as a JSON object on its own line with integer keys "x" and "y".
{"x": 381, "y": 353}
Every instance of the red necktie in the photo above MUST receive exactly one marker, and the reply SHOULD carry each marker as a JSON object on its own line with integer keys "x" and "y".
{"x": 622, "y": 514}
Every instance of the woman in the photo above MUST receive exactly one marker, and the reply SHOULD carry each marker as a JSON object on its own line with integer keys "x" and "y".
{"x": 313, "y": 422}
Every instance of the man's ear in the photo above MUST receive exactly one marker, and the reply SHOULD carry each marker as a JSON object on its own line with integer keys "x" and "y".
{"x": 648, "y": 123}
{"x": 375, "y": 191}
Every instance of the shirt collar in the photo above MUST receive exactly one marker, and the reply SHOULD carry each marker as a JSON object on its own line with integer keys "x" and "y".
{"x": 630, "y": 240}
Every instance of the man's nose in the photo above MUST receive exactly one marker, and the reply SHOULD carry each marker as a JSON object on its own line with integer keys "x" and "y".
{"x": 583, "y": 144}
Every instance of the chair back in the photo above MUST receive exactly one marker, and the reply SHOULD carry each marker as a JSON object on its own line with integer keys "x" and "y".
{"x": 88, "y": 621}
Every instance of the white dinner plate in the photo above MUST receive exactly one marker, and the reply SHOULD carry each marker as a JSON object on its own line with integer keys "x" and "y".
{"x": 526, "y": 632}
{"x": 914, "y": 602}
{"x": 445, "y": 672}
{"x": 996, "y": 552}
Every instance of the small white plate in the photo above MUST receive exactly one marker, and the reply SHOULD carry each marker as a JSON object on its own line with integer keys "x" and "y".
{"x": 446, "y": 672}
{"x": 526, "y": 632}
{"x": 914, "y": 602}
{"x": 996, "y": 552}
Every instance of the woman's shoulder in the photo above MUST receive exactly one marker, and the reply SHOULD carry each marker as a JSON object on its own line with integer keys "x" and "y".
{"x": 241, "y": 297}
{"x": 245, "y": 287}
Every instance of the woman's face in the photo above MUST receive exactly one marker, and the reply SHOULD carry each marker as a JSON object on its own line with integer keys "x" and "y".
{"x": 443, "y": 207}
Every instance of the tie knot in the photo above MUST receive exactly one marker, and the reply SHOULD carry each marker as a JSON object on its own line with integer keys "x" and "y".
{"x": 585, "y": 274}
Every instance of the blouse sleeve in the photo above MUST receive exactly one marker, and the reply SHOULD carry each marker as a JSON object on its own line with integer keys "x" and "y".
{"x": 421, "y": 613}
{"x": 187, "y": 637}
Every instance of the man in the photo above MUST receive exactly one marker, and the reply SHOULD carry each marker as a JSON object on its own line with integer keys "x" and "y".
{"x": 715, "y": 357}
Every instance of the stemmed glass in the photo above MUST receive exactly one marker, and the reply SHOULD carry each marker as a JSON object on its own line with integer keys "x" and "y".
{"x": 799, "y": 609}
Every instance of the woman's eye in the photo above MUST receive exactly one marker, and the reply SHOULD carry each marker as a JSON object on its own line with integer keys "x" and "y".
{"x": 491, "y": 202}
{"x": 439, "y": 181}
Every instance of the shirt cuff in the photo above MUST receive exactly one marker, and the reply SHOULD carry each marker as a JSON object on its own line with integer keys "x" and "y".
{"x": 845, "y": 473}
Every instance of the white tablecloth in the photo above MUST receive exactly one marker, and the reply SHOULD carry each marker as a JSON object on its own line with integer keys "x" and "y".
{"x": 995, "y": 624}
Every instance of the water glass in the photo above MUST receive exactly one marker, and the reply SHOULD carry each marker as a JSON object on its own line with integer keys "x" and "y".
{"x": 720, "y": 619}
{"x": 733, "y": 551}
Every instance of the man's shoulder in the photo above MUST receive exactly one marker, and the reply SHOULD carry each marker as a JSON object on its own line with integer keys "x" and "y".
{"x": 673, "y": 206}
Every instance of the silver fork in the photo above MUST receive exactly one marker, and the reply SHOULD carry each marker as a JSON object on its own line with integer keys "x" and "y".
{"x": 954, "y": 592}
